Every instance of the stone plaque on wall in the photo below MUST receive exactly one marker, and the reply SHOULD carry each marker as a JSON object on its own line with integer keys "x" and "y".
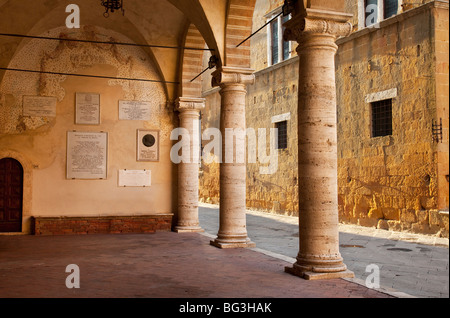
{"x": 87, "y": 109}
{"x": 147, "y": 145}
{"x": 39, "y": 106}
{"x": 135, "y": 178}
{"x": 87, "y": 155}
{"x": 134, "y": 110}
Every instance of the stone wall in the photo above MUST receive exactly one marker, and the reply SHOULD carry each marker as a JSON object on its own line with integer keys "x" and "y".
{"x": 394, "y": 182}
{"x": 273, "y": 94}
{"x": 391, "y": 182}
{"x": 209, "y": 183}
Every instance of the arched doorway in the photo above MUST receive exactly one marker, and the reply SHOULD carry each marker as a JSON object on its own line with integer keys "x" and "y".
{"x": 11, "y": 194}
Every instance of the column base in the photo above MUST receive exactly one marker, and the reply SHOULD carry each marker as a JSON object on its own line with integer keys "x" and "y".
{"x": 219, "y": 244}
{"x": 188, "y": 229}
{"x": 310, "y": 275}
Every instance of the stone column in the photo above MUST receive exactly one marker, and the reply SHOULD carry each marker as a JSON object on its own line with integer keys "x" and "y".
{"x": 319, "y": 256}
{"x": 233, "y": 226}
{"x": 189, "y": 109}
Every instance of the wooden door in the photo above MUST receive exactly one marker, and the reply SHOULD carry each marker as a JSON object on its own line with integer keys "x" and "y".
{"x": 11, "y": 194}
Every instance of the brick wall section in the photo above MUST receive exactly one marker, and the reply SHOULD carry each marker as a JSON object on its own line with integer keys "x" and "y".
{"x": 101, "y": 225}
{"x": 192, "y": 63}
{"x": 239, "y": 27}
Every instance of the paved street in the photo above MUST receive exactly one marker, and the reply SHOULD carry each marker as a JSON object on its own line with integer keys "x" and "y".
{"x": 415, "y": 265}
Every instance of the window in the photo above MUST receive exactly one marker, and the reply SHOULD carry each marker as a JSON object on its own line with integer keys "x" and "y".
{"x": 390, "y": 8}
{"x": 275, "y": 41}
{"x": 382, "y": 118}
{"x": 286, "y": 44}
{"x": 282, "y": 134}
{"x": 374, "y": 11}
{"x": 279, "y": 50}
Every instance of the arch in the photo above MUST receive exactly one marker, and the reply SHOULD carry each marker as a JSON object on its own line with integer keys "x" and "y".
{"x": 192, "y": 63}
{"x": 239, "y": 24}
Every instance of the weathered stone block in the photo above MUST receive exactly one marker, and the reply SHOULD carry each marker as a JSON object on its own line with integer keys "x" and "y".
{"x": 428, "y": 202}
{"x": 422, "y": 216}
{"x": 435, "y": 217}
{"x": 375, "y": 213}
{"x": 368, "y": 222}
{"x": 408, "y": 216}
{"x": 383, "y": 225}
{"x": 391, "y": 214}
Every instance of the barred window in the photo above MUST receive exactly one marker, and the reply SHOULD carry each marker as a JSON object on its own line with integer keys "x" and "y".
{"x": 382, "y": 118}
{"x": 282, "y": 134}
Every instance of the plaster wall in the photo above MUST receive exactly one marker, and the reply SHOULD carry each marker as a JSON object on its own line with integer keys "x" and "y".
{"x": 40, "y": 142}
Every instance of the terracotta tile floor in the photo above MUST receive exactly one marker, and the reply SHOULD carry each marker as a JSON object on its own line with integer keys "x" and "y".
{"x": 161, "y": 265}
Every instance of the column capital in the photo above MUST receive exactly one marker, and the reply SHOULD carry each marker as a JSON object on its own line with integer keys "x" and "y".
{"x": 183, "y": 104}
{"x": 318, "y": 22}
{"x": 232, "y": 75}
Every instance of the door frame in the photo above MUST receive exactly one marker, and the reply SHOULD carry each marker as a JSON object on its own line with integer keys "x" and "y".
{"x": 27, "y": 182}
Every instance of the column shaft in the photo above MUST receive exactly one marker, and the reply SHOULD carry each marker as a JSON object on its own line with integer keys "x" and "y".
{"x": 188, "y": 183}
{"x": 319, "y": 255}
{"x": 233, "y": 226}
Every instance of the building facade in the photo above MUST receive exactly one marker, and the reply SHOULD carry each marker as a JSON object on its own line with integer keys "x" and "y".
{"x": 392, "y": 97}
{"x": 99, "y": 117}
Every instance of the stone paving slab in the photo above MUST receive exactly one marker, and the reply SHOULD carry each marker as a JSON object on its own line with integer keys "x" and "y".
{"x": 161, "y": 265}
{"x": 411, "y": 265}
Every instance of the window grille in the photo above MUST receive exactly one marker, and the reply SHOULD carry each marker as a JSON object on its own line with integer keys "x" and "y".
{"x": 382, "y": 118}
{"x": 282, "y": 134}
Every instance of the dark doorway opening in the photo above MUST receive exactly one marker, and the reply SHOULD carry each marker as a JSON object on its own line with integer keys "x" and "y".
{"x": 11, "y": 195}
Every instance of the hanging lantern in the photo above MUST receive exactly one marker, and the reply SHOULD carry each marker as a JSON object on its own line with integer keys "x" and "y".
{"x": 112, "y": 5}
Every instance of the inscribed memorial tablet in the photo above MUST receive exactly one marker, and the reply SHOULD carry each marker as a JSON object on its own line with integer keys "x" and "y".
{"x": 134, "y": 110}
{"x": 87, "y": 154}
{"x": 135, "y": 178}
{"x": 148, "y": 145}
{"x": 87, "y": 109}
{"x": 39, "y": 106}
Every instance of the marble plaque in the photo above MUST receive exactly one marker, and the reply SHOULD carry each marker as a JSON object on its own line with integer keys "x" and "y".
{"x": 87, "y": 155}
{"x": 87, "y": 109}
{"x": 39, "y": 106}
{"x": 148, "y": 145}
{"x": 135, "y": 178}
{"x": 134, "y": 110}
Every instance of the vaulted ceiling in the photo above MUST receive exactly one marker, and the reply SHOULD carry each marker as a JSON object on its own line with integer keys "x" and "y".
{"x": 221, "y": 23}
